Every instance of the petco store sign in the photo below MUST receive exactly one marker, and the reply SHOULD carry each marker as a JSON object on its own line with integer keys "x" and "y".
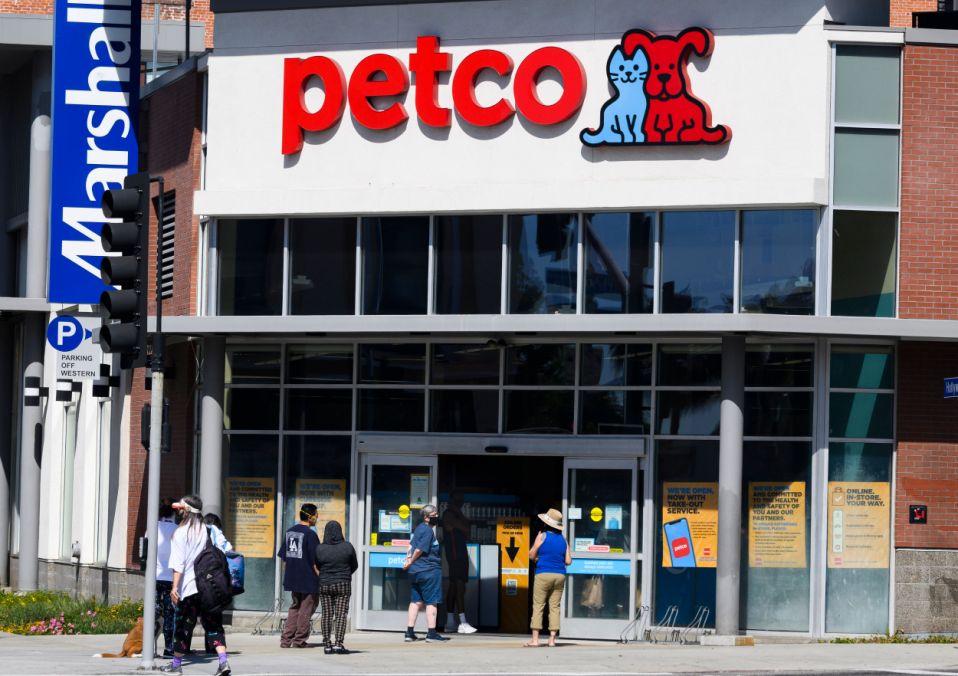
{"x": 652, "y": 101}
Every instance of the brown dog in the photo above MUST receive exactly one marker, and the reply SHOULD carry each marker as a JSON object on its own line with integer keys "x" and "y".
{"x": 675, "y": 115}
{"x": 132, "y": 644}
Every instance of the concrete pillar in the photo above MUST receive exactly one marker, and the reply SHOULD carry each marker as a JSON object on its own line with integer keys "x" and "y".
{"x": 730, "y": 486}
{"x": 211, "y": 425}
{"x": 6, "y": 450}
{"x": 38, "y": 227}
{"x": 31, "y": 450}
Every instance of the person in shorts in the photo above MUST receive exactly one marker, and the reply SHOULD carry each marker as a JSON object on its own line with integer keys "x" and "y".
{"x": 425, "y": 576}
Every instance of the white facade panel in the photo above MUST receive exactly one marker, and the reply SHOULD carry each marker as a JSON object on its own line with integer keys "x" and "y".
{"x": 767, "y": 79}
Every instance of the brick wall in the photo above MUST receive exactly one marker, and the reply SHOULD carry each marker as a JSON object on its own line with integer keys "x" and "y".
{"x": 928, "y": 280}
{"x": 927, "y": 445}
{"x": 171, "y": 10}
{"x": 170, "y": 138}
{"x": 899, "y": 11}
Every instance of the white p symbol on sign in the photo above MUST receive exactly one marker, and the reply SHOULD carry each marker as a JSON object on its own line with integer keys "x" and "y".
{"x": 65, "y": 330}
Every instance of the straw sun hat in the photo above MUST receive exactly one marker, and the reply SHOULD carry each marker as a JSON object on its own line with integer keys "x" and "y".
{"x": 552, "y": 518}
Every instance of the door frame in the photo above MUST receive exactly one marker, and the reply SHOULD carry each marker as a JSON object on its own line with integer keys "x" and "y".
{"x": 579, "y": 627}
{"x": 381, "y": 619}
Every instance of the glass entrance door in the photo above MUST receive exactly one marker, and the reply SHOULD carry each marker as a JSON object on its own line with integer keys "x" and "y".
{"x": 604, "y": 528}
{"x": 395, "y": 489}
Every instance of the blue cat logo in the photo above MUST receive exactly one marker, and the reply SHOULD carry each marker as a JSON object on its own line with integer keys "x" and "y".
{"x": 622, "y": 115}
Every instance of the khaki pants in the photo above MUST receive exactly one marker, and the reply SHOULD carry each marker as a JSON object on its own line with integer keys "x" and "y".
{"x": 547, "y": 588}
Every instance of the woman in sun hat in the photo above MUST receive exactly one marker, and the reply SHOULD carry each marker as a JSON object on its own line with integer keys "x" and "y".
{"x": 552, "y": 554}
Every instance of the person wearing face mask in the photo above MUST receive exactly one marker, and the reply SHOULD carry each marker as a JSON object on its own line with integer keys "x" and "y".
{"x": 425, "y": 576}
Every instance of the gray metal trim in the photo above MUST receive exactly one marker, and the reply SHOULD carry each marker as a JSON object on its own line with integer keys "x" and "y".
{"x": 682, "y": 324}
{"x": 36, "y": 30}
{"x": 518, "y": 444}
{"x": 16, "y": 304}
{"x": 230, "y": 6}
{"x": 931, "y": 36}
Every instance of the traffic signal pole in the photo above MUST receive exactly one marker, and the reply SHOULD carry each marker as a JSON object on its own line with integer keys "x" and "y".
{"x": 156, "y": 440}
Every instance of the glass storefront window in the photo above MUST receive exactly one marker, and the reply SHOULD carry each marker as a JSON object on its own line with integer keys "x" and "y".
{"x": 698, "y": 259}
{"x": 319, "y": 364}
{"x": 538, "y": 411}
{"x": 861, "y": 415}
{"x": 246, "y": 408}
{"x": 600, "y": 596}
{"x": 778, "y": 261}
{"x": 864, "y": 263}
{"x": 867, "y": 84}
{"x": 542, "y": 364}
{"x": 857, "y": 367}
{"x": 250, "y": 266}
{"x": 683, "y": 462}
{"x": 779, "y": 365}
{"x": 391, "y": 410}
{"x": 543, "y": 263}
{"x": 690, "y": 365}
{"x": 249, "y": 518}
{"x": 387, "y": 364}
{"x": 468, "y": 264}
{"x": 464, "y": 411}
{"x": 464, "y": 364}
{"x": 611, "y": 491}
{"x": 778, "y": 414}
{"x": 776, "y": 535}
{"x": 249, "y": 365}
{"x": 615, "y": 412}
{"x": 620, "y": 259}
{"x": 319, "y": 409}
{"x": 858, "y": 544}
{"x": 322, "y": 258}
{"x": 316, "y": 470}
{"x": 395, "y": 265}
{"x": 866, "y": 168}
{"x": 622, "y": 364}
{"x": 688, "y": 413}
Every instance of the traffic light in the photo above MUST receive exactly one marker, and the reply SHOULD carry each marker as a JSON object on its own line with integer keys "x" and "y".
{"x": 126, "y": 266}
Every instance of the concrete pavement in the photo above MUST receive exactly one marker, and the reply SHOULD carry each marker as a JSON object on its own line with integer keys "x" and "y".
{"x": 386, "y": 653}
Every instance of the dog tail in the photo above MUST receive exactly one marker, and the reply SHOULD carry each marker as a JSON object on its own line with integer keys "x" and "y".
{"x": 107, "y": 655}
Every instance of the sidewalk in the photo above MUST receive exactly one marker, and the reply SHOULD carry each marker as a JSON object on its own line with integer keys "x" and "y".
{"x": 386, "y": 653}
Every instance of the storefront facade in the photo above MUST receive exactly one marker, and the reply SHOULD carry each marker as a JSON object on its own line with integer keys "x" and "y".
{"x": 456, "y": 249}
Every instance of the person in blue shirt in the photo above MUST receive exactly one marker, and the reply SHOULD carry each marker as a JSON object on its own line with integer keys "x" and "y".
{"x": 425, "y": 575}
{"x": 552, "y": 554}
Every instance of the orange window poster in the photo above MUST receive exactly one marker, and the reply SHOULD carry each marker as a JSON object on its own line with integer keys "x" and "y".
{"x": 858, "y": 518}
{"x": 689, "y": 525}
{"x": 250, "y": 515}
{"x": 776, "y": 524}
{"x": 329, "y": 496}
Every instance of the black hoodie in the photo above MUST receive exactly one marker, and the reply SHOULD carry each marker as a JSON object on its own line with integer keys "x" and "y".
{"x": 335, "y": 558}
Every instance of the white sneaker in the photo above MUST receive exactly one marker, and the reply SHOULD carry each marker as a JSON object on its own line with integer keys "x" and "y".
{"x": 466, "y": 628}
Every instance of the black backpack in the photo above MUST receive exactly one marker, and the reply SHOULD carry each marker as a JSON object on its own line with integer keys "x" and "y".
{"x": 212, "y": 577}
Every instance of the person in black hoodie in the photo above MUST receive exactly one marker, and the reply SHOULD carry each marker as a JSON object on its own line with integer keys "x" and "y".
{"x": 336, "y": 560}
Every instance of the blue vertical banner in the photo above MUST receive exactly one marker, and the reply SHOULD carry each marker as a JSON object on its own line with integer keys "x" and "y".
{"x": 96, "y": 92}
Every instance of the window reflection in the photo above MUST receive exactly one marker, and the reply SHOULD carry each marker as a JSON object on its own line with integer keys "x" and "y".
{"x": 778, "y": 261}
{"x": 619, "y": 262}
{"x": 322, "y": 254}
{"x": 250, "y": 266}
{"x": 616, "y": 364}
{"x": 698, "y": 261}
{"x": 468, "y": 264}
{"x": 540, "y": 364}
{"x": 395, "y": 265}
{"x": 543, "y": 264}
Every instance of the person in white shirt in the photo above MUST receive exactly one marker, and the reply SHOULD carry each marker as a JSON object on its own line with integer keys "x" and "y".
{"x": 188, "y": 541}
{"x": 165, "y": 610}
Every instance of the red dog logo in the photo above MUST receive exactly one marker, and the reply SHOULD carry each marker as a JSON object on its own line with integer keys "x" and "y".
{"x": 675, "y": 115}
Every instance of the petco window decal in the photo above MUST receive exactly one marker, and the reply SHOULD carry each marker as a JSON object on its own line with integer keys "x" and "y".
{"x": 95, "y": 102}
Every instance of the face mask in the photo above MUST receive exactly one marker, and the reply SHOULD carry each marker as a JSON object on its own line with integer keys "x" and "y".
{"x": 433, "y": 520}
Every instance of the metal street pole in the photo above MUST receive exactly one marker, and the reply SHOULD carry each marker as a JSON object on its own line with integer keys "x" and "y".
{"x": 156, "y": 440}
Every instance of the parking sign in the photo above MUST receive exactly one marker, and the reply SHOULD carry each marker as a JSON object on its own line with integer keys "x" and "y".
{"x": 78, "y": 358}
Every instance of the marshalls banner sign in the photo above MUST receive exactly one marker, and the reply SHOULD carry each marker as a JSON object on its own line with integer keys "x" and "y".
{"x": 96, "y": 91}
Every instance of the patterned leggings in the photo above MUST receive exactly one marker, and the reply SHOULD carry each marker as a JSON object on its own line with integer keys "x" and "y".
{"x": 334, "y": 600}
{"x": 187, "y": 613}
{"x": 165, "y": 611}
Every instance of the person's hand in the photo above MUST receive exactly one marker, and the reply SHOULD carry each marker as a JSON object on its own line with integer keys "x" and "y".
{"x": 175, "y": 597}
{"x": 405, "y": 564}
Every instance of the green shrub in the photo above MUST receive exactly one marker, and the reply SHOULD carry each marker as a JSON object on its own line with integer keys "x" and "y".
{"x": 50, "y": 612}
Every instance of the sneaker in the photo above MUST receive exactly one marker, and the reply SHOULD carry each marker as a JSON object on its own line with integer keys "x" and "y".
{"x": 466, "y": 628}
{"x": 167, "y": 653}
{"x": 223, "y": 669}
{"x": 340, "y": 650}
{"x": 410, "y": 636}
{"x": 436, "y": 637}
{"x": 328, "y": 650}
{"x": 170, "y": 669}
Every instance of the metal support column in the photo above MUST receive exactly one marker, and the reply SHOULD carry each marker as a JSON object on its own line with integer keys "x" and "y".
{"x": 730, "y": 486}
{"x": 211, "y": 430}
